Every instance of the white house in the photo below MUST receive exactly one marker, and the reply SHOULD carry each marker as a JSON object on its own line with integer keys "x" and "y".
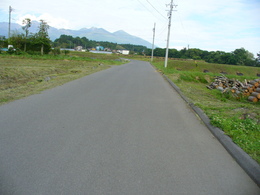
{"x": 124, "y": 52}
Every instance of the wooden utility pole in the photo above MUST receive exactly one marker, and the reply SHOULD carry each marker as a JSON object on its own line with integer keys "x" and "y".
{"x": 153, "y": 41}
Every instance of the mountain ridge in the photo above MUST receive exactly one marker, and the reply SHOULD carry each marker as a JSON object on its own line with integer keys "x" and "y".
{"x": 93, "y": 33}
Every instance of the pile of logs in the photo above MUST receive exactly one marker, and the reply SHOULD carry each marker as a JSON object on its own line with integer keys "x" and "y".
{"x": 250, "y": 89}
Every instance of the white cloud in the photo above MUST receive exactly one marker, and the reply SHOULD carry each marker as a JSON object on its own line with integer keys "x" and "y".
{"x": 200, "y": 23}
{"x": 52, "y": 21}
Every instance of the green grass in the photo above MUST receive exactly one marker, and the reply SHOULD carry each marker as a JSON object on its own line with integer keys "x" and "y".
{"x": 238, "y": 118}
{"x": 25, "y": 75}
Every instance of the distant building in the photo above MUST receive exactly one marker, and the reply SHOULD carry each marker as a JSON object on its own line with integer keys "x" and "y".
{"x": 124, "y": 52}
{"x": 107, "y": 49}
{"x": 78, "y": 48}
{"x": 103, "y": 52}
{"x": 100, "y": 48}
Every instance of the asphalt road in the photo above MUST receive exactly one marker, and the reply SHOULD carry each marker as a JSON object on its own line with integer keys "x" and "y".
{"x": 116, "y": 132}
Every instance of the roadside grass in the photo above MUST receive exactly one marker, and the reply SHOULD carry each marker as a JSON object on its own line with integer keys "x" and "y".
{"x": 238, "y": 118}
{"x": 24, "y": 75}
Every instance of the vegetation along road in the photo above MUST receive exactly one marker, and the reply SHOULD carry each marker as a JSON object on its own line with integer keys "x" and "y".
{"x": 123, "y": 130}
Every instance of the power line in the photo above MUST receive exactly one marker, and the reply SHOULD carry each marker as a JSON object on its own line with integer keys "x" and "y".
{"x": 163, "y": 29}
{"x": 150, "y": 10}
{"x": 146, "y": 8}
{"x": 156, "y": 10}
{"x": 185, "y": 32}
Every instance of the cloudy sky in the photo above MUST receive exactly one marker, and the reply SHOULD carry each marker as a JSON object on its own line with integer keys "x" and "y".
{"x": 205, "y": 24}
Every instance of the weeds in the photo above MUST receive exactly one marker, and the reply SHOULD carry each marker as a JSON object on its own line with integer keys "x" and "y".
{"x": 24, "y": 75}
{"x": 244, "y": 132}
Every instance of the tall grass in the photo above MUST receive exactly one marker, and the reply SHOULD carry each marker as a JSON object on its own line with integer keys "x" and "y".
{"x": 24, "y": 75}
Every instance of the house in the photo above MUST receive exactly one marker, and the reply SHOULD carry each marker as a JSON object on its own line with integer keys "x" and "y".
{"x": 100, "y": 48}
{"x": 124, "y": 52}
{"x": 78, "y": 48}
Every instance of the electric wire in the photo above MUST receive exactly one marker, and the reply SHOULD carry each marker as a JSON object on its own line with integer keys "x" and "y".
{"x": 163, "y": 29}
{"x": 156, "y": 10}
{"x": 151, "y": 11}
{"x": 185, "y": 32}
{"x": 146, "y": 8}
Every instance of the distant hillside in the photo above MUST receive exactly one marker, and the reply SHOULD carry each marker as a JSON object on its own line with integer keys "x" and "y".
{"x": 97, "y": 34}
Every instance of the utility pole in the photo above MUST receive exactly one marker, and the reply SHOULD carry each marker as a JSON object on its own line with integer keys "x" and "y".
{"x": 9, "y": 27}
{"x": 168, "y": 37}
{"x": 153, "y": 41}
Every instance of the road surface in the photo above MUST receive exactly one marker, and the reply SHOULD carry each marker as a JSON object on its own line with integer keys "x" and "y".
{"x": 121, "y": 131}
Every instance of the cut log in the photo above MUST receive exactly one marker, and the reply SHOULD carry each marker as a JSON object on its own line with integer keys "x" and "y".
{"x": 252, "y": 99}
{"x": 233, "y": 90}
{"x": 252, "y": 86}
{"x": 245, "y": 90}
{"x": 220, "y": 88}
{"x": 254, "y": 83}
{"x": 251, "y": 90}
{"x": 246, "y": 94}
{"x": 255, "y": 94}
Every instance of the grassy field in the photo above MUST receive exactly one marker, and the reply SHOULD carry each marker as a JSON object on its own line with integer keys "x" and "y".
{"x": 24, "y": 75}
{"x": 239, "y": 119}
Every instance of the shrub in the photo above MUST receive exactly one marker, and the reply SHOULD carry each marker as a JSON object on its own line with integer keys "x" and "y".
{"x": 56, "y": 51}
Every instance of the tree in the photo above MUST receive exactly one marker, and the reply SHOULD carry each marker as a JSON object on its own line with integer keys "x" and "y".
{"x": 42, "y": 35}
{"x": 244, "y": 57}
{"x": 257, "y": 60}
{"x": 17, "y": 40}
{"x": 27, "y": 24}
{"x": 159, "y": 52}
{"x": 258, "y": 57}
{"x": 3, "y": 42}
{"x": 173, "y": 53}
{"x": 183, "y": 53}
{"x": 194, "y": 53}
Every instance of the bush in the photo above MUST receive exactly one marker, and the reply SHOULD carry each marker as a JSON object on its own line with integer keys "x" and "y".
{"x": 66, "y": 52}
{"x": 56, "y": 51}
{"x": 11, "y": 50}
{"x": 34, "y": 52}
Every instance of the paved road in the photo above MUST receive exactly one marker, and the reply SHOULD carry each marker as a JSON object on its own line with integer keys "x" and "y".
{"x": 116, "y": 132}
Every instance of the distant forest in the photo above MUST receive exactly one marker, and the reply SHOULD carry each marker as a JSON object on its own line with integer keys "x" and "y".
{"x": 237, "y": 57}
{"x": 40, "y": 43}
{"x": 67, "y": 41}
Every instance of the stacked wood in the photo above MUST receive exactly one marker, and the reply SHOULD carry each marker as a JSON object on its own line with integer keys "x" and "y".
{"x": 250, "y": 89}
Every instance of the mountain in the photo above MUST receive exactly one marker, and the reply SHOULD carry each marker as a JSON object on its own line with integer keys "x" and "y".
{"x": 96, "y": 34}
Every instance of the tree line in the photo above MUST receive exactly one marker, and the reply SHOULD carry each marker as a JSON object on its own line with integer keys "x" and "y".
{"x": 67, "y": 41}
{"x": 40, "y": 43}
{"x": 237, "y": 57}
